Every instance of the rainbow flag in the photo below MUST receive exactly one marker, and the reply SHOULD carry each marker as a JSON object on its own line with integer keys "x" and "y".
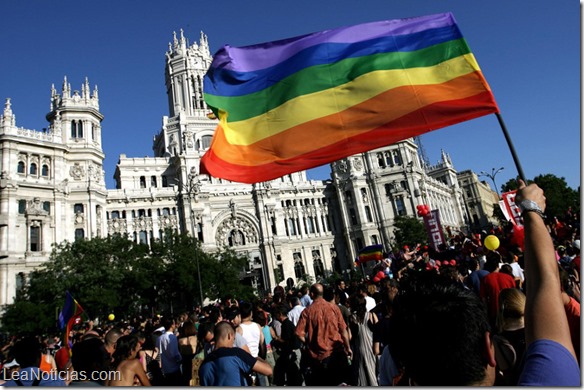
{"x": 71, "y": 310}
{"x": 67, "y": 317}
{"x": 369, "y": 253}
{"x": 302, "y": 102}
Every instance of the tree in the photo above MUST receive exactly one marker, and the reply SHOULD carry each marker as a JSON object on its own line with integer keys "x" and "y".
{"x": 117, "y": 275}
{"x": 409, "y": 231}
{"x": 559, "y": 196}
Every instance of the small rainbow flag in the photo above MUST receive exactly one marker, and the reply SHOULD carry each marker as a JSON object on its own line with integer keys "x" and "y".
{"x": 67, "y": 317}
{"x": 302, "y": 102}
{"x": 71, "y": 310}
{"x": 369, "y": 253}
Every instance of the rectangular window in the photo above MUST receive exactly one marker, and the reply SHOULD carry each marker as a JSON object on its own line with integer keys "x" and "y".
{"x": 353, "y": 216}
{"x": 79, "y": 234}
{"x": 291, "y": 226}
{"x": 368, "y": 214}
{"x": 400, "y": 205}
{"x": 47, "y": 207}
{"x": 35, "y": 238}
{"x": 21, "y": 206}
{"x": 310, "y": 225}
{"x": 78, "y": 208}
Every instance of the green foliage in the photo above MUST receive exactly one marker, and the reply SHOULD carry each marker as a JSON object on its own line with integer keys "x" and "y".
{"x": 409, "y": 231}
{"x": 559, "y": 196}
{"x": 116, "y": 275}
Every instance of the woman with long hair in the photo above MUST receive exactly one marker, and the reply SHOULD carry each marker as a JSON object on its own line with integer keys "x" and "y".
{"x": 129, "y": 370}
{"x": 187, "y": 345}
{"x": 361, "y": 324}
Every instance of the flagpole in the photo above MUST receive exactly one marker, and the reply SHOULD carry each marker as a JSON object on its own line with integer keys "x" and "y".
{"x": 511, "y": 147}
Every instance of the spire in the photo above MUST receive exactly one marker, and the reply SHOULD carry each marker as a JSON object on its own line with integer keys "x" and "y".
{"x": 7, "y": 107}
{"x": 85, "y": 89}
{"x": 8, "y": 119}
{"x": 204, "y": 44}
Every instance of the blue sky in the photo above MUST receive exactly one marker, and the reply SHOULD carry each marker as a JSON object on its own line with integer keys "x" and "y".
{"x": 529, "y": 52}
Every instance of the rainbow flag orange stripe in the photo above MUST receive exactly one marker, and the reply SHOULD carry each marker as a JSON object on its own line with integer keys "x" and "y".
{"x": 303, "y": 102}
{"x": 369, "y": 253}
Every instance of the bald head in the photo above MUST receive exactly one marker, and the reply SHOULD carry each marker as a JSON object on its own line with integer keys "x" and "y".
{"x": 223, "y": 330}
{"x": 224, "y": 335}
{"x": 316, "y": 290}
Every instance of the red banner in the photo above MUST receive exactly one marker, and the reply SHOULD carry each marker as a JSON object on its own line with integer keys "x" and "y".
{"x": 434, "y": 228}
{"x": 510, "y": 209}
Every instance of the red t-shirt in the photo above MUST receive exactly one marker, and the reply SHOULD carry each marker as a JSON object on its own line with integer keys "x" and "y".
{"x": 491, "y": 286}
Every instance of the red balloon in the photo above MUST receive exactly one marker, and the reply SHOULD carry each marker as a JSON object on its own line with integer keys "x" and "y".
{"x": 376, "y": 279}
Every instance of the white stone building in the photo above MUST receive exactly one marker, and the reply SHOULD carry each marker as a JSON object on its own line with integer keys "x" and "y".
{"x": 52, "y": 189}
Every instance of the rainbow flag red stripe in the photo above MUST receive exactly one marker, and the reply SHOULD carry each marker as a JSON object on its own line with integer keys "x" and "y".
{"x": 371, "y": 252}
{"x": 302, "y": 102}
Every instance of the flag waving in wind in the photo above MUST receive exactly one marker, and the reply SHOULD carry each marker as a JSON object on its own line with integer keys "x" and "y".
{"x": 302, "y": 102}
{"x": 67, "y": 317}
{"x": 369, "y": 253}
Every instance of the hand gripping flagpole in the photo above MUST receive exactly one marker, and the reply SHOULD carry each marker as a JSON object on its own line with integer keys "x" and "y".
{"x": 511, "y": 147}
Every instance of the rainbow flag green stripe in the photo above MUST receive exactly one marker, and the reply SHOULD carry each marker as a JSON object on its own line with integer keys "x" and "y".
{"x": 284, "y": 111}
{"x": 310, "y": 80}
{"x": 320, "y": 54}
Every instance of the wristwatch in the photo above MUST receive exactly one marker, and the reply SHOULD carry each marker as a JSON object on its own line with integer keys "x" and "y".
{"x": 527, "y": 205}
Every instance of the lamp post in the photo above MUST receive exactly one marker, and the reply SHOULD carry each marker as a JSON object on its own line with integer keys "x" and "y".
{"x": 193, "y": 187}
{"x": 492, "y": 176}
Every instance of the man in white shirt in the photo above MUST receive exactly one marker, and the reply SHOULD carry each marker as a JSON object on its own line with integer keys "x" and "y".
{"x": 294, "y": 313}
{"x": 170, "y": 355}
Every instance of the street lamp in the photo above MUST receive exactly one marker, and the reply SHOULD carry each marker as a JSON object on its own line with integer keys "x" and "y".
{"x": 192, "y": 187}
{"x": 492, "y": 176}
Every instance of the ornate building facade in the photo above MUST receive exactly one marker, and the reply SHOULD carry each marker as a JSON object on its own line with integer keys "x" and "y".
{"x": 52, "y": 189}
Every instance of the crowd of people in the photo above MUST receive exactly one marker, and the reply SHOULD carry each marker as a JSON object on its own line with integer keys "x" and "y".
{"x": 459, "y": 315}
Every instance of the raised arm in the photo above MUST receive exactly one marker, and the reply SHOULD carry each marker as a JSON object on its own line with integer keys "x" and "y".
{"x": 545, "y": 316}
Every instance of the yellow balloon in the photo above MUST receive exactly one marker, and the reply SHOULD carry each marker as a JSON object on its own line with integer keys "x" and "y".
{"x": 491, "y": 242}
{"x": 111, "y": 317}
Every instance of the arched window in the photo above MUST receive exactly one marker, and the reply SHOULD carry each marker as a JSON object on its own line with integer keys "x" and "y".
{"x": 299, "y": 270}
{"x": 318, "y": 268}
{"x": 380, "y": 160}
{"x": 33, "y": 169}
{"x": 76, "y": 129}
{"x": 115, "y": 214}
{"x": 21, "y": 167}
{"x": 45, "y": 170}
